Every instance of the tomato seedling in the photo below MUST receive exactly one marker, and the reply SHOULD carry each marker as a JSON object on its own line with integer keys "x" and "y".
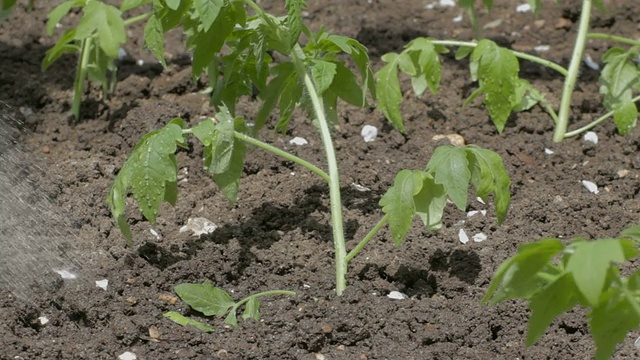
{"x": 496, "y": 70}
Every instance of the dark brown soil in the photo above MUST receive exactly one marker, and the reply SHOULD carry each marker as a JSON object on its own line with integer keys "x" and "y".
{"x": 278, "y": 235}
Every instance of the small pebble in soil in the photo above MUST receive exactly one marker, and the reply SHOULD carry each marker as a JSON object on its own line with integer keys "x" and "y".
{"x": 298, "y": 141}
{"x": 591, "y": 137}
{"x": 155, "y": 234}
{"x": 66, "y": 274}
{"x": 397, "y": 295}
{"x": 127, "y": 355}
{"x": 590, "y": 63}
{"x": 592, "y": 187}
{"x": 369, "y": 133}
{"x": 359, "y": 187}
{"x": 542, "y": 48}
{"x": 479, "y": 237}
{"x": 43, "y": 320}
{"x": 102, "y": 284}
{"x": 199, "y": 226}
{"x": 462, "y": 236}
{"x": 549, "y": 151}
{"x": 523, "y": 8}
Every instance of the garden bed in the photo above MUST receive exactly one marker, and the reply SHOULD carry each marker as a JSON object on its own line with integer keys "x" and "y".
{"x": 278, "y": 234}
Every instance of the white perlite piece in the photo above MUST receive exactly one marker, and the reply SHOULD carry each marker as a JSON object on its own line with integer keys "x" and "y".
{"x": 359, "y": 187}
{"x": 479, "y": 237}
{"x": 592, "y": 187}
{"x": 66, "y": 274}
{"x": 523, "y": 8}
{"x": 397, "y": 295}
{"x": 369, "y": 133}
{"x": 43, "y": 320}
{"x": 590, "y": 63}
{"x": 199, "y": 226}
{"x": 549, "y": 151}
{"x": 298, "y": 141}
{"x": 154, "y": 233}
{"x": 590, "y": 136}
{"x": 102, "y": 284}
{"x": 127, "y": 355}
{"x": 462, "y": 236}
{"x": 542, "y": 48}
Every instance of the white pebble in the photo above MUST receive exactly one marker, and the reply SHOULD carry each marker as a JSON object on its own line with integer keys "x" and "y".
{"x": 199, "y": 226}
{"x": 127, "y": 355}
{"x": 590, "y": 136}
{"x": 590, "y": 63}
{"x": 447, "y": 3}
{"x": 155, "y": 234}
{"x": 369, "y": 133}
{"x": 462, "y": 236}
{"x": 43, "y": 320}
{"x": 479, "y": 237}
{"x": 523, "y": 8}
{"x": 542, "y": 48}
{"x": 102, "y": 284}
{"x": 298, "y": 141}
{"x": 66, "y": 274}
{"x": 397, "y": 295}
{"x": 549, "y": 151}
{"x": 592, "y": 187}
{"x": 457, "y": 19}
{"x": 359, "y": 187}
{"x": 140, "y": 62}
{"x": 480, "y": 200}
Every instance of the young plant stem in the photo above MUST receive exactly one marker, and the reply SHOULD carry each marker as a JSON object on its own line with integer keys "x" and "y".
{"x": 282, "y": 153}
{"x": 334, "y": 187}
{"x": 264, "y": 293}
{"x": 81, "y": 74}
{"x": 572, "y": 76}
{"x": 532, "y": 58}
{"x": 619, "y": 39}
{"x": 366, "y": 239}
{"x": 595, "y": 122}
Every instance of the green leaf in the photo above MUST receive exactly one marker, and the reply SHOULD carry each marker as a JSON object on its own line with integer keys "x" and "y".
{"x": 205, "y": 298}
{"x": 425, "y": 62}
{"x": 517, "y": 277}
{"x": 463, "y": 52}
{"x": 208, "y": 11}
{"x": 551, "y": 301}
{"x": 59, "y": 12}
{"x": 184, "y": 321}
{"x": 64, "y": 45}
{"x": 252, "y": 309}
{"x": 284, "y": 72}
{"x": 173, "y": 4}
{"x": 632, "y": 232}
{"x": 388, "y": 91}
{"x": 294, "y": 19}
{"x": 619, "y": 77}
{"x": 590, "y": 262}
{"x": 526, "y": 96}
{"x": 154, "y": 38}
{"x": 207, "y": 44}
{"x": 323, "y": 73}
{"x": 450, "y": 168}
{"x": 611, "y": 322}
{"x": 231, "y": 318}
{"x": 398, "y": 202}
{"x": 488, "y": 175}
{"x": 498, "y": 76}
{"x": 345, "y": 85}
{"x": 107, "y": 21}
{"x": 430, "y": 203}
{"x": 130, "y": 4}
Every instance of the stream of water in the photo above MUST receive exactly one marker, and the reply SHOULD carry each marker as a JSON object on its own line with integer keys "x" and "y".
{"x": 35, "y": 239}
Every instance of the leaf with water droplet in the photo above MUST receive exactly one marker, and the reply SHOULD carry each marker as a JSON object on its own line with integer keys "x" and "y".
{"x": 150, "y": 172}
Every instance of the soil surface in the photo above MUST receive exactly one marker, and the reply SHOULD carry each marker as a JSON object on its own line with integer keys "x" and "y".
{"x": 278, "y": 235}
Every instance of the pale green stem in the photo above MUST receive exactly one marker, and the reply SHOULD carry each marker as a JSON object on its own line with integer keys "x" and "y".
{"x": 367, "y": 238}
{"x": 615, "y": 38}
{"x": 135, "y": 19}
{"x": 572, "y": 76}
{"x": 595, "y": 122}
{"x": 81, "y": 73}
{"x": 525, "y": 56}
{"x": 282, "y": 153}
{"x": 334, "y": 187}
{"x": 264, "y": 293}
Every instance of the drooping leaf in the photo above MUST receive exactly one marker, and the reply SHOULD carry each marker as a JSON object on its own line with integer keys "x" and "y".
{"x": 450, "y": 168}
{"x": 207, "y": 11}
{"x": 64, "y": 45}
{"x": 551, "y": 301}
{"x": 231, "y": 319}
{"x": 252, "y": 309}
{"x": 498, "y": 77}
{"x": 54, "y": 17}
{"x": 294, "y": 19}
{"x": 430, "y": 203}
{"x": 611, "y": 322}
{"x": 184, "y": 321}
{"x": 590, "y": 262}
{"x": 284, "y": 73}
{"x": 388, "y": 90}
{"x": 488, "y": 175}
{"x": 619, "y": 77}
{"x": 154, "y": 38}
{"x": 517, "y": 277}
{"x": 205, "y": 298}
{"x": 398, "y": 202}
{"x": 323, "y": 73}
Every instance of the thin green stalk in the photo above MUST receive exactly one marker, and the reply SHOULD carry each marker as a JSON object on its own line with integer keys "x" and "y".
{"x": 367, "y": 238}
{"x": 264, "y": 293}
{"x": 334, "y": 187}
{"x": 282, "y": 153}
{"x": 135, "y": 19}
{"x": 615, "y": 38}
{"x": 595, "y": 122}
{"x": 572, "y": 76}
{"x": 81, "y": 74}
{"x": 525, "y": 56}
